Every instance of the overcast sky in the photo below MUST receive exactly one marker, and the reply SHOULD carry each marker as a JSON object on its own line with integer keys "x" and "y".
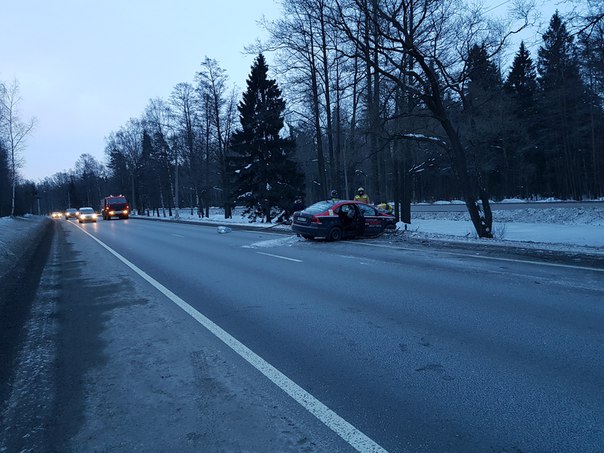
{"x": 85, "y": 67}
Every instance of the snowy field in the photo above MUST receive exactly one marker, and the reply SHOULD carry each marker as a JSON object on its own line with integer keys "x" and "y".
{"x": 572, "y": 226}
{"x": 557, "y": 227}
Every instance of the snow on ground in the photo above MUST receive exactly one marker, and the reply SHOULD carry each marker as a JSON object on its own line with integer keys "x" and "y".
{"x": 573, "y": 226}
{"x": 563, "y": 228}
{"x": 559, "y": 227}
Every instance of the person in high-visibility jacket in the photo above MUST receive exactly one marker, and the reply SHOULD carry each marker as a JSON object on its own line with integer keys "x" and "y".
{"x": 362, "y": 196}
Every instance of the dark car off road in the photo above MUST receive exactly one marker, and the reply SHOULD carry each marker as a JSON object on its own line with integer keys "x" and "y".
{"x": 341, "y": 219}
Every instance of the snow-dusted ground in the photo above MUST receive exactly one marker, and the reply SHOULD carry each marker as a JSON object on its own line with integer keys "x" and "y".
{"x": 556, "y": 227}
{"x": 571, "y": 226}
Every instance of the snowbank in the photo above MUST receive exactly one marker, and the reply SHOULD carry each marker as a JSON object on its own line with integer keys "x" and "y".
{"x": 563, "y": 226}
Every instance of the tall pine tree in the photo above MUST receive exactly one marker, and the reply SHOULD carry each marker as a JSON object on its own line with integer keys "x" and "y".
{"x": 528, "y": 160}
{"x": 266, "y": 177}
{"x": 563, "y": 124}
{"x": 482, "y": 112}
{"x": 521, "y": 82}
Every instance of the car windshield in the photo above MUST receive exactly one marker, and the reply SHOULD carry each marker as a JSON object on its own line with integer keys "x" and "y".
{"x": 115, "y": 200}
{"x": 86, "y": 211}
{"x": 71, "y": 210}
{"x": 367, "y": 210}
{"x": 321, "y": 206}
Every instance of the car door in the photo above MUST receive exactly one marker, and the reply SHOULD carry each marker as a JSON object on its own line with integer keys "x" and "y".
{"x": 351, "y": 220}
{"x": 372, "y": 220}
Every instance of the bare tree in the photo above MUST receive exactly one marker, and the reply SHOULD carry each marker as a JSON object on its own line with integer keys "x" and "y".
{"x": 585, "y": 15}
{"x": 219, "y": 107}
{"x": 185, "y": 108}
{"x": 158, "y": 119}
{"x": 299, "y": 37}
{"x": 89, "y": 171}
{"x": 126, "y": 146}
{"x": 439, "y": 42}
{"x": 14, "y": 131}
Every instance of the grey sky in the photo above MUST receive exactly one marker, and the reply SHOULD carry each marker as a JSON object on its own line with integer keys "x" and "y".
{"x": 86, "y": 67}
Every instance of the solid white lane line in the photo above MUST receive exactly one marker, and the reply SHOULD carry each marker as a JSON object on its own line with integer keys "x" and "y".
{"x": 329, "y": 418}
{"x": 280, "y": 257}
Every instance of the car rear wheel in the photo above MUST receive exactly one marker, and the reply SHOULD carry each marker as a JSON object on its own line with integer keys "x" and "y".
{"x": 335, "y": 234}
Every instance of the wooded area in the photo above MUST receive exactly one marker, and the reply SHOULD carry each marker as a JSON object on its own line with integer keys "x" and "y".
{"x": 410, "y": 99}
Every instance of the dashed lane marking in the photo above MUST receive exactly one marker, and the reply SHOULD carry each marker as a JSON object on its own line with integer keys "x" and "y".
{"x": 280, "y": 257}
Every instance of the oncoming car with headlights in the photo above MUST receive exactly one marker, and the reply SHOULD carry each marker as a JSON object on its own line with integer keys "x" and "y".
{"x": 71, "y": 213}
{"x": 86, "y": 215}
{"x": 335, "y": 220}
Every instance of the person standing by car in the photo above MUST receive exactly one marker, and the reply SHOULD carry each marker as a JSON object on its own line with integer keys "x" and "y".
{"x": 362, "y": 196}
{"x": 298, "y": 204}
{"x": 334, "y": 197}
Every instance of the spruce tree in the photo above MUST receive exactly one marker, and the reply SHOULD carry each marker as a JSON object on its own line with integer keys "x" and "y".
{"x": 482, "y": 112}
{"x": 558, "y": 63}
{"x": 521, "y": 88}
{"x": 521, "y": 82}
{"x": 266, "y": 177}
{"x": 484, "y": 78}
{"x": 591, "y": 45}
{"x": 563, "y": 125}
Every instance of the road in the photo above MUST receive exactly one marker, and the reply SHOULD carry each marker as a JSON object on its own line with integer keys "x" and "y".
{"x": 420, "y": 350}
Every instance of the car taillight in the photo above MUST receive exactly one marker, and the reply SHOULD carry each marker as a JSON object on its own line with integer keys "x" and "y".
{"x": 315, "y": 219}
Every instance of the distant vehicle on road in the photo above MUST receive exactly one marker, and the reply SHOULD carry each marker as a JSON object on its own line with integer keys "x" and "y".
{"x": 56, "y": 215}
{"x": 341, "y": 219}
{"x": 114, "y": 206}
{"x": 71, "y": 213}
{"x": 86, "y": 214}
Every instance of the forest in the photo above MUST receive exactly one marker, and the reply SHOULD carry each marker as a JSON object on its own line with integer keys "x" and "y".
{"x": 414, "y": 100}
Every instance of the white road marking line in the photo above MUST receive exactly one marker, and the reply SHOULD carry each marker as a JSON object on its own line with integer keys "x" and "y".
{"x": 494, "y": 258}
{"x": 328, "y": 417}
{"x": 280, "y": 257}
{"x": 177, "y": 235}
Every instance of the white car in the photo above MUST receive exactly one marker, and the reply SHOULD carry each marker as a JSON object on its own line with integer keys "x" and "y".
{"x": 86, "y": 215}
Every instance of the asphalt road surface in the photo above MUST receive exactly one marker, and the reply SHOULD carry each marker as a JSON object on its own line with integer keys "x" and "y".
{"x": 412, "y": 349}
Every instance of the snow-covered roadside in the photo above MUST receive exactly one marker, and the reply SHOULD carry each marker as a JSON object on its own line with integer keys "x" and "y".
{"x": 17, "y": 237}
{"x": 559, "y": 227}
{"x": 564, "y": 228}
